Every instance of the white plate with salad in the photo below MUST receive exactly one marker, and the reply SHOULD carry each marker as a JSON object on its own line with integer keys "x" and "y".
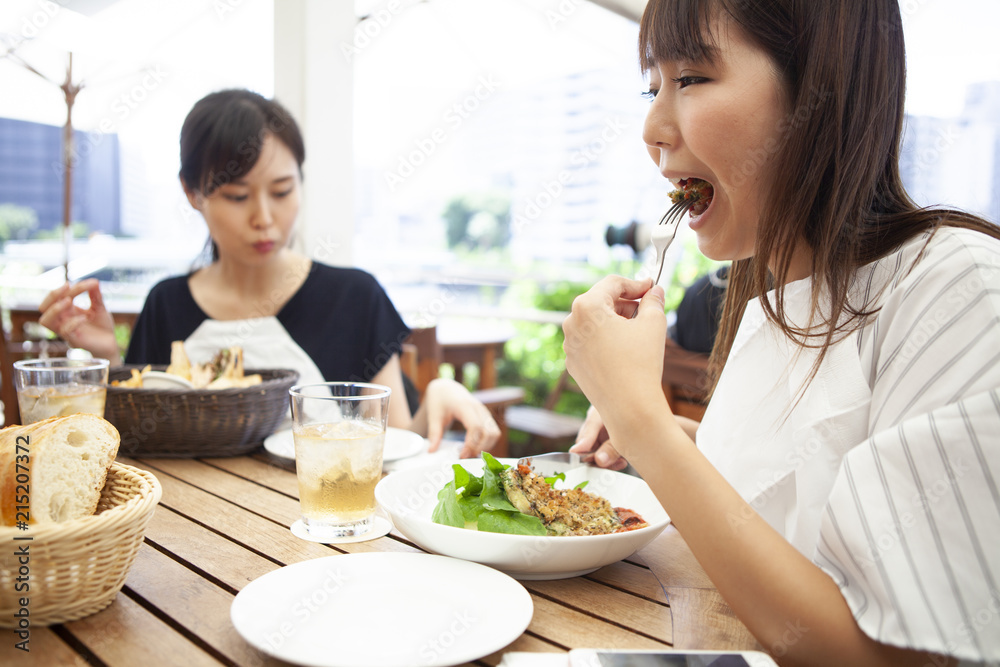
{"x": 415, "y": 498}
{"x": 381, "y": 610}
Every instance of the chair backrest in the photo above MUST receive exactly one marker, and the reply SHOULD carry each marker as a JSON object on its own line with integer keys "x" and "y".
{"x": 685, "y": 380}
{"x": 563, "y": 384}
{"x": 421, "y": 357}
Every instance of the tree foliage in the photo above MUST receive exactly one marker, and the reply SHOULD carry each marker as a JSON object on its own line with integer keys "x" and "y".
{"x": 16, "y": 222}
{"x": 477, "y": 220}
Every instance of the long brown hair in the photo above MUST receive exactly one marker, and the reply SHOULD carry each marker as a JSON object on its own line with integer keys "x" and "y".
{"x": 834, "y": 179}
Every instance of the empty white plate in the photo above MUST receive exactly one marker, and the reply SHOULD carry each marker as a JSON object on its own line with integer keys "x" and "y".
{"x": 399, "y": 444}
{"x": 382, "y": 610}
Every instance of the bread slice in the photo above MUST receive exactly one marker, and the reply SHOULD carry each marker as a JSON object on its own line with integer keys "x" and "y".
{"x": 67, "y": 464}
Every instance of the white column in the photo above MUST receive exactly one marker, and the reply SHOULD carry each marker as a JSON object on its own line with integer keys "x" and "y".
{"x": 314, "y": 80}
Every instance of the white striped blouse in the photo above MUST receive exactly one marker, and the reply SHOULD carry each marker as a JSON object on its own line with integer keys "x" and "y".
{"x": 884, "y": 469}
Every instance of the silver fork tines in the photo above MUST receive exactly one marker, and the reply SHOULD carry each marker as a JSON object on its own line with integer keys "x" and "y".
{"x": 663, "y": 235}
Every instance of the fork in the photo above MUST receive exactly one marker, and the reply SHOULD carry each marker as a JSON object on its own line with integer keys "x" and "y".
{"x": 663, "y": 235}
{"x": 552, "y": 463}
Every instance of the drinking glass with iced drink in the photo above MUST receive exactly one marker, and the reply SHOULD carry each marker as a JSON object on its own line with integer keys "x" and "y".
{"x": 339, "y": 433}
{"x": 57, "y": 387}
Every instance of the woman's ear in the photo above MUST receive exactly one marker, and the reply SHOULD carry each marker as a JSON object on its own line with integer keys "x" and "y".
{"x": 194, "y": 197}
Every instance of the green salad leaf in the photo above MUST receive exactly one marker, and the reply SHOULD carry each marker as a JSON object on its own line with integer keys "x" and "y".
{"x": 493, "y": 496}
{"x": 448, "y": 511}
{"x": 480, "y": 503}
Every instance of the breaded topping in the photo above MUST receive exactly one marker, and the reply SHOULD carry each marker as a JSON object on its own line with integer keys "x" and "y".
{"x": 565, "y": 511}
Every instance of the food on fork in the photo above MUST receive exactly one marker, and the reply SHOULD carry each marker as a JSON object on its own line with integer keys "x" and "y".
{"x": 224, "y": 371}
{"x": 65, "y": 460}
{"x": 696, "y": 191}
{"x": 518, "y": 501}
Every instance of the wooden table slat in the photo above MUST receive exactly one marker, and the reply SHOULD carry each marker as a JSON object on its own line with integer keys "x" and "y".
{"x": 635, "y": 579}
{"x": 590, "y": 597}
{"x": 575, "y": 629}
{"x": 193, "y": 602}
{"x": 126, "y": 634}
{"x": 44, "y": 646}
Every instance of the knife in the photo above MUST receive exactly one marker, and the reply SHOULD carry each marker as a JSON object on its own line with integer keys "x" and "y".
{"x": 552, "y": 463}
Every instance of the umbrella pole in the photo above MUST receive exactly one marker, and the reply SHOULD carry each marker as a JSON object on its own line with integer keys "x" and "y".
{"x": 69, "y": 90}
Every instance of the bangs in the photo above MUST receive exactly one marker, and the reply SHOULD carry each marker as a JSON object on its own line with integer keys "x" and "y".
{"x": 234, "y": 146}
{"x": 677, "y": 30}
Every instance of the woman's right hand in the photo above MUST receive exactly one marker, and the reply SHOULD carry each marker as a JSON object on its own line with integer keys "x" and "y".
{"x": 92, "y": 329}
{"x": 593, "y": 446}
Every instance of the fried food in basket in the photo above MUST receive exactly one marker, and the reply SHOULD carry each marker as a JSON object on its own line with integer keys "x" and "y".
{"x": 224, "y": 371}
{"x": 135, "y": 380}
{"x": 230, "y": 371}
{"x": 179, "y": 362}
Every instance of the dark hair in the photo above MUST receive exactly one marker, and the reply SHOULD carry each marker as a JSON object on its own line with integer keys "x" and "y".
{"x": 222, "y": 136}
{"x": 835, "y": 170}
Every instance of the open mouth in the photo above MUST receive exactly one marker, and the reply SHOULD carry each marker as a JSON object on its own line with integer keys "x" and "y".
{"x": 698, "y": 192}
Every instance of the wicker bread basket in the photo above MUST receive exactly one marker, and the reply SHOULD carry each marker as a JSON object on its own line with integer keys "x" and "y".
{"x": 76, "y": 568}
{"x": 183, "y": 423}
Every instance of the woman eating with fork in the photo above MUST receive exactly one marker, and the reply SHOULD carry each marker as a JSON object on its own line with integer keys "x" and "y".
{"x": 844, "y": 478}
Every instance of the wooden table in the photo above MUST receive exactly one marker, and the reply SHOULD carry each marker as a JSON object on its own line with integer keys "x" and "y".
{"x": 482, "y": 347}
{"x": 224, "y": 522}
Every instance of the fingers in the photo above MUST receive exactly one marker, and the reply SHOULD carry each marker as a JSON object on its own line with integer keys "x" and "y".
{"x": 435, "y": 432}
{"x": 50, "y": 312}
{"x": 93, "y": 288}
{"x": 52, "y": 297}
{"x": 54, "y": 315}
{"x": 589, "y": 437}
{"x": 68, "y": 327}
{"x": 481, "y": 434}
{"x": 652, "y": 302}
{"x": 608, "y": 457}
{"x": 86, "y": 285}
{"x": 59, "y": 302}
{"x": 620, "y": 288}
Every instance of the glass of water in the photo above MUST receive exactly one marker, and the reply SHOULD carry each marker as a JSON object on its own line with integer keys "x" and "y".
{"x": 59, "y": 386}
{"x": 339, "y": 433}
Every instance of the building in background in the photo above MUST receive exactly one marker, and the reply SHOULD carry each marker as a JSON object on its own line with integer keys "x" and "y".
{"x": 956, "y": 161}
{"x": 31, "y": 175}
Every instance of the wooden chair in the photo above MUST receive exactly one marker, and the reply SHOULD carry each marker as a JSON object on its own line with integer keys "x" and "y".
{"x": 685, "y": 384}
{"x": 685, "y": 380}
{"x": 421, "y": 359}
{"x": 545, "y": 427}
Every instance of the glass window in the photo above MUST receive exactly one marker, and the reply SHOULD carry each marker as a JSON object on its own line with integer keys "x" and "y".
{"x": 951, "y": 152}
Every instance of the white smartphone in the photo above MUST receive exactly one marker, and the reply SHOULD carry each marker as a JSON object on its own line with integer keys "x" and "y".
{"x": 585, "y": 657}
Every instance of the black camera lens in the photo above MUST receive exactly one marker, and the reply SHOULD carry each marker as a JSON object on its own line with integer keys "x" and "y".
{"x": 622, "y": 235}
